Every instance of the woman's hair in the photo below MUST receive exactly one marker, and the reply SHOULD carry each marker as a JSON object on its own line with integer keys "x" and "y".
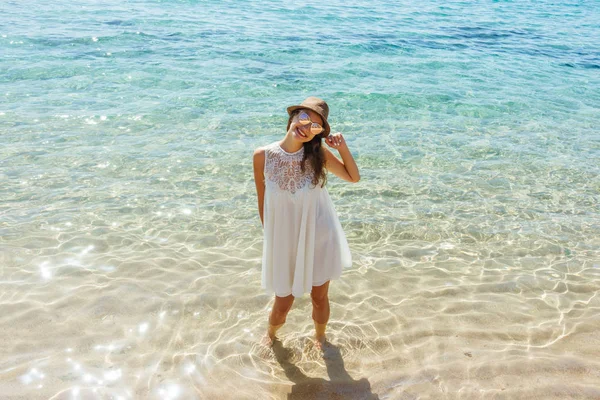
{"x": 314, "y": 154}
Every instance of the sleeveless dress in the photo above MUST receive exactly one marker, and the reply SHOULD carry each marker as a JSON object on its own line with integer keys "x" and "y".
{"x": 304, "y": 244}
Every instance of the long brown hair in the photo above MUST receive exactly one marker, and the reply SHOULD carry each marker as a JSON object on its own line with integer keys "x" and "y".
{"x": 314, "y": 154}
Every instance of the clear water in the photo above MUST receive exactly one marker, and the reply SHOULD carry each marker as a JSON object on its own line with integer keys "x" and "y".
{"x": 129, "y": 234}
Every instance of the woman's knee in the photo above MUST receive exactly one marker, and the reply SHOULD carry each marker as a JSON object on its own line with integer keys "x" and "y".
{"x": 283, "y": 305}
{"x": 319, "y": 295}
{"x": 319, "y": 299}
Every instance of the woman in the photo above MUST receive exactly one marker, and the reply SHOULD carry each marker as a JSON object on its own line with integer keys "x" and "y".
{"x": 304, "y": 244}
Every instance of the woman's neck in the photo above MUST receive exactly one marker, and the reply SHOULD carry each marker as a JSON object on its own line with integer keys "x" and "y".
{"x": 289, "y": 144}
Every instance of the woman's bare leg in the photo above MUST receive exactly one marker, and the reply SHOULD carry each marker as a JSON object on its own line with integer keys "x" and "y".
{"x": 281, "y": 307}
{"x": 320, "y": 314}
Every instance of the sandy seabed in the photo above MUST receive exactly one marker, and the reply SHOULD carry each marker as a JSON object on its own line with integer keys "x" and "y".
{"x": 423, "y": 322}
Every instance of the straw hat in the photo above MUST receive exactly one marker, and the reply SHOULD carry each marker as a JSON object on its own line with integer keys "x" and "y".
{"x": 317, "y": 105}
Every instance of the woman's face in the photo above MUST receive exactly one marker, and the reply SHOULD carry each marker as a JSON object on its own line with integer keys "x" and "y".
{"x": 301, "y": 132}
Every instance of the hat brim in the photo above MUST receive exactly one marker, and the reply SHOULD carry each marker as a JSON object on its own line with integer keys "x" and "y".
{"x": 326, "y": 127}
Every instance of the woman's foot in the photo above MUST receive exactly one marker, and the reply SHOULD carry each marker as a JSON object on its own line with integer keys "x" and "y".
{"x": 320, "y": 337}
{"x": 273, "y": 330}
{"x": 320, "y": 342}
{"x": 267, "y": 341}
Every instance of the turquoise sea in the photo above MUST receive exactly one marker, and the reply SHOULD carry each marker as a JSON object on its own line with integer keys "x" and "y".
{"x": 130, "y": 242}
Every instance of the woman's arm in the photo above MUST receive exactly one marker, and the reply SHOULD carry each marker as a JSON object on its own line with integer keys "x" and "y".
{"x": 345, "y": 168}
{"x": 258, "y": 160}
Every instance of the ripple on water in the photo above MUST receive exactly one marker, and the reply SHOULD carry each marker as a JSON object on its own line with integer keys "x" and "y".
{"x": 129, "y": 237}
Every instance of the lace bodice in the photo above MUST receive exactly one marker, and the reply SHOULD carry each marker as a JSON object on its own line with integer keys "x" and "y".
{"x": 284, "y": 169}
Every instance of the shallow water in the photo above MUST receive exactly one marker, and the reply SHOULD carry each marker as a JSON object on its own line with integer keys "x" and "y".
{"x": 130, "y": 242}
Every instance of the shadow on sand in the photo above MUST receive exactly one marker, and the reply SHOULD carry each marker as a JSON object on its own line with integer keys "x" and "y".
{"x": 340, "y": 386}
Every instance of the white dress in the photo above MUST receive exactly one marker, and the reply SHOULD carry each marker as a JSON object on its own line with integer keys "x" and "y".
{"x": 304, "y": 244}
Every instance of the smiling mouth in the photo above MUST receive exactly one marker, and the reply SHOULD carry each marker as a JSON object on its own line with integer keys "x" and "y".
{"x": 300, "y": 133}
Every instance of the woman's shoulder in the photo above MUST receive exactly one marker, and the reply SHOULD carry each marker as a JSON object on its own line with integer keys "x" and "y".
{"x": 260, "y": 150}
{"x": 258, "y": 158}
{"x": 260, "y": 153}
{"x": 266, "y": 148}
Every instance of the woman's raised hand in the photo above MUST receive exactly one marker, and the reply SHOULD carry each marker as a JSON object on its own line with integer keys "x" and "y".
{"x": 335, "y": 140}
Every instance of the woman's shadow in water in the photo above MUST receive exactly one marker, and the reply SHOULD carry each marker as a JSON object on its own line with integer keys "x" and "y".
{"x": 340, "y": 386}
